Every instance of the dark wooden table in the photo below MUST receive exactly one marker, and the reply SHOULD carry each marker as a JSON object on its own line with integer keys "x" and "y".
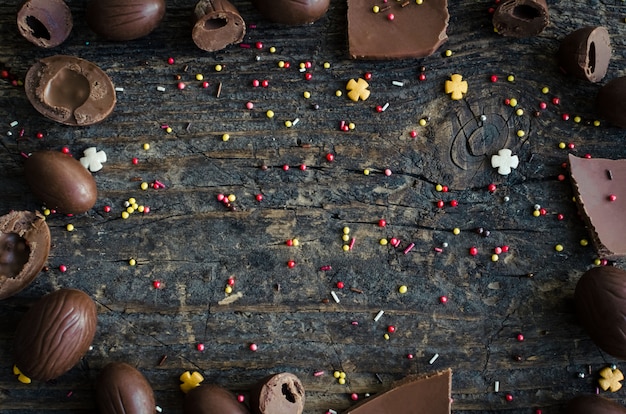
{"x": 193, "y": 244}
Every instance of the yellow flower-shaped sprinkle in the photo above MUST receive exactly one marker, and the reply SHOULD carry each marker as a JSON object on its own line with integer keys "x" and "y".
{"x": 456, "y": 87}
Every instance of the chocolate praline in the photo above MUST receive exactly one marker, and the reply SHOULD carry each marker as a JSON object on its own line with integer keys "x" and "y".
{"x": 292, "y": 12}
{"x": 70, "y": 90}
{"x": 45, "y": 23}
{"x": 122, "y": 20}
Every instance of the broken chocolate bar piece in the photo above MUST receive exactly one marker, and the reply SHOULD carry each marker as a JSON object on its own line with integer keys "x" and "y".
{"x": 397, "y": 30}
{"x": 425, "y": 394}
{"x": 585, "y": 53}
{"x": 600, "y": 189}
{"x": 521, "y": 18}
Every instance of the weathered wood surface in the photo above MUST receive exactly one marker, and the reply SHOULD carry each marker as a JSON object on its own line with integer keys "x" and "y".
{"x": 192, "y": 244}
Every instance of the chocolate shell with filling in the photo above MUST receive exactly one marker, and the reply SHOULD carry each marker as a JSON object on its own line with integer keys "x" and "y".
{"x": 611, "y": 102}
{"x": 24, "y": 249}
{"x": 212, "y": 399}
{"x": 45, "y": 23}
{"x": 278, "y": 394}
{"x": 54, "y": 334}
{"x": 122, "y": 20}
{"x": 292, "y": 12}
{"x": 600, "y": 297}
{"x": 122, "y": 389}
{"x": 521, "y": 18}
{"x": 585, "y": 53}
{"x": 593, "y": 404}
{"x": 217, "y": 24}
{"x": 61, "y": 182}
{"x": 70, "y": 90}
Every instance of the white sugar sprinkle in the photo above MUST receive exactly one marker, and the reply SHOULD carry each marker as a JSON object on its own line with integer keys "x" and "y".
{"x": 159, "y": 409}
{"x": 160, "y": 89}
{"x": 119, "y": 89}
{"x": 397, "y": 83}
{"x": 334, "y": 295}
{"x": 496, "y": 386}
{"x": 433, "y": 359}
{"x": 379, "y": 315}
{"x": 385, "y": 106}
{"x": 14, "y": 123}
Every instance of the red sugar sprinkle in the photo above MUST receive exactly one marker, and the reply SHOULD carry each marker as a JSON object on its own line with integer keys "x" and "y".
{"x": 241, "y": 398}
{"x": 422, "y": 77}
{"x": 259, "y": 197}
{"x": 493, "y": 78}
{"x": 200, "y": 347}
{"x": 156, "y": 284}
{"x": 556, "y": 101}
{"x": 491, "y": 188}
{"x": 473, "y": 251}
{"x": 520, "y": 337}
{"x": 413, "y": 134}
{"x": 170, "y": 61}
{"x": 62, "y": 268}
{"x": 291, "y": 264}
{"x": 509, "y": 397}
{"x": 107, "y": 209}
{"x": 443, "y": 299}
{"x": 340, "y": 285}
{"x": 368, "y": 75}
{"x": 382, "y": 223}
{"x": 258, "y": 45}
{"x": 330, "y": 157}
{"x": 135, "y": 161}
{"x": 253, "y": 347}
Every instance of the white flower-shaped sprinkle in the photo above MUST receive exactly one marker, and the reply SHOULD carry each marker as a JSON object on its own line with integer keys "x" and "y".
{"x": 504, "y": 161}
{"x": 93, "y": 159}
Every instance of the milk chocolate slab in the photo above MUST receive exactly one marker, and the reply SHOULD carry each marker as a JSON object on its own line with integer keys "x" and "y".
{"x": 521, "y": 18}
{"x": 70, "y": 90}
{"x": 429, "y": 394}
{"x": 585, "y": 53}
{"x": 596, "y": 182}
{"x": 218, "y": 24}
{"x": 396, "y": 32}
{"x": 45, "y": 23}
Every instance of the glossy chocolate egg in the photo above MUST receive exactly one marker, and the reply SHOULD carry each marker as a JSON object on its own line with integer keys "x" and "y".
{"x": 278, "y": 394}
{"x": 24, "y": 249}
{"x": 292, "y": 12}
{"x": 611, "y": 102}
{"x": 593, "y": 404}
{"x": 212, "y": 399}
{"x": 601, "y": 308}
{"x": 124, "y": 19}
{"x": 55, "y": 334}
{"x": 61, "y": 182}
{"x": 122, "y": 389}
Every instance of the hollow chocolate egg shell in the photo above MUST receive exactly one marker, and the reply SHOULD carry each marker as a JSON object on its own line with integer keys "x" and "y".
{"x": 585, "y": 53}
{"x": 24, "y": 249}
{"x": 45, "y": 23}
{"x": 611, "y": 102}
{"x": 292, "y": 12}
{"x": 122, "y": 20}
{"x": 217, "y": 24}
{"x": 70, "y": 90}
{"x": 212, "y": 399}
{"x": 122, "y": 389}
{"x": 54, "y": 334}
{"x": 281, "y": 393}
{"x": 593, "y": 404}
{"x": 61, "y": 182}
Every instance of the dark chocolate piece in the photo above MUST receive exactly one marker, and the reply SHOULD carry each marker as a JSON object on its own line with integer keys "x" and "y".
{"x": 521, "y": 18}
{"x": 212, "y": 399}
{"x": 24, "y": 249}
{"x": 45, "y": 23}
{"x": 70, "y": 90}
{"x": 122, "y": 20}
{"x": 122, "y": 389}
{"x": 585, "y": 53}
{"x": 601, "y": 305}
{"x": 55, "y": 334}
{"x": 611, "y": 102}
{"x": 593, "y": 404}
{"x": 60, "y": 181}
{"x": 218, "y": 24}
{"x": 604, "y": 216}
{"x": 278, "y": 394}
{"x": 416, "y": 30}
{"x": 427, "y": 394}
{"x": 292, "y": 12}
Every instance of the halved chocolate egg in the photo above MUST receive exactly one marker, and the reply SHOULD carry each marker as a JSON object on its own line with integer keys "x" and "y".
{"x": 70, "y": 90}
{"x": 24, "y": 249}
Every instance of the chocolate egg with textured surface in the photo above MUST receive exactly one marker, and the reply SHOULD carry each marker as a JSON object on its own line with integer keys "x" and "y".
{"x": 593, "y": 404}
{"x": 122, "y": 389}
{"x": 60, "y": 181}
{"x": 212, "y": 399}
{"x": 278, "y": 394}
{"x": 611, "y": 102}
{"x": 54, "y": 334}
{"x": 24, "y": 249}
{"x": 585, "y": 53}
{"x": 124, "y": 19}
{"x": 601, "y": 308}
{"x": 292, "y": 12}
{"x": 70, "y": 90}
{"x": 45, "y": 23}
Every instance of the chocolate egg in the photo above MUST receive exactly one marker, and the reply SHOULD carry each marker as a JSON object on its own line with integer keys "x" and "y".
{"x": 601, "y": 308}
{"x": 211, "y": 399}
{"x": 217, "y": 25}
{"x": 610, "y": 102}
{"x": 61, "y": 182}
{"x": 585, "y": 53}
{"x": 45, "y": 23}
{"x": 124, "y": 19}
{"x": 55, "y": 334}
{"x": 292, "y": 12}
{"x": 70, "y": 90}
{"x": 278, "y": 394}
{"x": 122, "y": 389}
{"x": 593, "y": 404}
{"x": 24, "y": 249}
{"x": 521, "y": 18}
